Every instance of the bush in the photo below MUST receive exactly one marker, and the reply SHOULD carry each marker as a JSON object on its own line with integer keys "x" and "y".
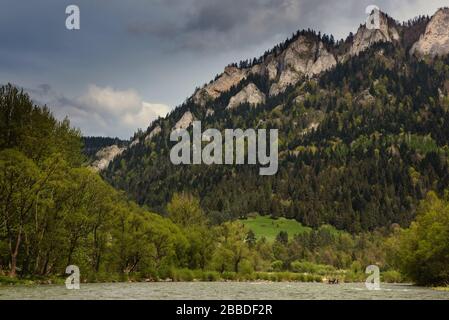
{"x": 246, "y": 268}
{"x": 228, "y": 275}
{"x": 8, "y": 280}
{"x": 182, "y": 275}
{"x": 309, "y": 267}
{"x": 392, "y": 277}
{"x": 165, "y": 273}
{"x": 262, "y": 276}
{"x": 351, "y": 276}
{"x": 211, "y": 276}
{"x": 277, "y": 265}
{"x": 356, "y": 267}
{"x": 420, "y": 252}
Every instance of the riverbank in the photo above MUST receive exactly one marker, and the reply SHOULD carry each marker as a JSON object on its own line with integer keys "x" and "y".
{"x": 9, "y": 281}
{"x": 186, "y": 275}
{"x": 446, "y": 289}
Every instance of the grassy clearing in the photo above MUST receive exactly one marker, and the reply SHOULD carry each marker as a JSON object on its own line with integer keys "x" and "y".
{"x": 264, "y": 226}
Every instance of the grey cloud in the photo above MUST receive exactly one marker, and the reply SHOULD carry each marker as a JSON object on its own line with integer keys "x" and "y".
{"x": 100, "y": 111}
{"x": 209, "y": 24}
{"x": 161, "y": 49}
{"x": 214, "y": 24}
{"x": 220, "y": 16}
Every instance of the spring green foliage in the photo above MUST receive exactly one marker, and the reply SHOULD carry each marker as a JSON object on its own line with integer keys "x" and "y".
{"x": 185, "y": 210}
{"x": 422, "y": 251}
{"x": 265, "y": 226}
{"x": 54, "y": 212}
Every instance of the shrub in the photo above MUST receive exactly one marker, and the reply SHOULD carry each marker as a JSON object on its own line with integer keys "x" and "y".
{"x": 228, "y": 275}
{"x": 211, "y": 276}
{"x": 309, "y": 267}
{"x": 392, "y": 276}
{"x": 277, "y": 265}
{"x": 182, "y": 275}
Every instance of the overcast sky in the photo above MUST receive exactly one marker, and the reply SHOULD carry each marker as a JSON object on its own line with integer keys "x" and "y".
{"x": 134, "y": 60}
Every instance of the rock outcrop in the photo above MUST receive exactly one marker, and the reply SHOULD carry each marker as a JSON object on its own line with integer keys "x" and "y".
{"x": 288, "y": 77}
{"x": 435, "y": 40}
{"x": 134, "y": 143}
{"x": 185, "y": 121}
{"x": 250, "y": 94}
{"x": 153, "y": 133}
{"x": 105, "y": 156}
{"x": 364, "y": 38}
{"x": 305, "y": 57}
{"x": 269, "y": 68}
{"x": 230, "y": 77}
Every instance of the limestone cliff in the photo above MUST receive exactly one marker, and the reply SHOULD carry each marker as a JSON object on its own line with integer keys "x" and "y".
{"x": 250, "y": 94}
{"x": 304, "y": 57}
{"x": 185, "y": 121}
{"x": 435, "y": 40}
{"x": 153, "y": 133}
{"x": 105, "y": 156}
{"x": 230, "y": 77}
{"x": 364, "y": 38}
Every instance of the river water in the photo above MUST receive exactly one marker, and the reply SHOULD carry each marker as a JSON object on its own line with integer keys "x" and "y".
{"x": 221, "y": 291}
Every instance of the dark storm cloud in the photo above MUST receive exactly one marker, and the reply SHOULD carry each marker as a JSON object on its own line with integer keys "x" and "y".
{"x": 223, "y": 16}
{"x": 150, "y": 54}
{"x": 215, "y": 24}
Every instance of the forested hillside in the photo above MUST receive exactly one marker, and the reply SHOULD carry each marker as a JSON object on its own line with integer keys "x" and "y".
{"x": 361, "y": 142}
{"x": 55, "y": 212}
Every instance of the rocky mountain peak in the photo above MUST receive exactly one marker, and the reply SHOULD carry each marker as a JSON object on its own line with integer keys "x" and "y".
{"x": 366, "y": 37}
{"x": 435, "y": 40}
{"x": 305, "y": 57}
{"x": 308, "y": 55}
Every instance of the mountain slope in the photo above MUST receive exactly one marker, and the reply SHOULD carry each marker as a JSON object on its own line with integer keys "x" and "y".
{"x": 362, "y": 127}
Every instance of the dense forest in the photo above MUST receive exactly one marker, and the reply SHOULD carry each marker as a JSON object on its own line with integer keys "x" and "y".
{"x": 55, "y": 212}
{"x": 381, "y": 145}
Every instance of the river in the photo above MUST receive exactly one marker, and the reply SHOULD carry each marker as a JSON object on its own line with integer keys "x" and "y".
{"x": 221, "y": 291}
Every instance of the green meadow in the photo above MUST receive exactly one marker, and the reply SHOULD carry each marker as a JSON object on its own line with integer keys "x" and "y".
{"x": 265, "y": 226}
